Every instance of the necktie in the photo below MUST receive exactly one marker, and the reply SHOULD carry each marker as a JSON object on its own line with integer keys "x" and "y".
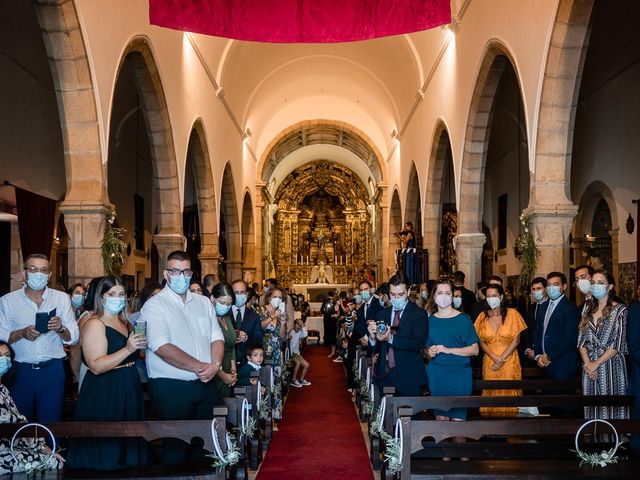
{"x": 394, "y": 324}
{"x": 238, "y": 319}
{"x": 547, "y": 316}
{"x": 365, "y": 312}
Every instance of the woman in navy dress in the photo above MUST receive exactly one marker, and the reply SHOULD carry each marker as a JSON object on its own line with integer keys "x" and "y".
{"x": 451, "y": 342}
{"x": 111, "y": 390}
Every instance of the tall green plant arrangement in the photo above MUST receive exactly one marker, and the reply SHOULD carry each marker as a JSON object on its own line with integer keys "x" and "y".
{"x": 526, "y": 251}
{"x": 113, "y": 247}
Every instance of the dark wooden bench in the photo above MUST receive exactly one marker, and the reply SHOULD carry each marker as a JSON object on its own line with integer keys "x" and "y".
{"x": 184, "y": 430}
{"x": 496, "y": 434}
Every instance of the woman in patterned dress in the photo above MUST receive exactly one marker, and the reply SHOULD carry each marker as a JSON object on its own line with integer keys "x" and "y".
{"x": 273, "y": 320}
{"x": 602, "y": 343}
{"x": 27, "y": 450}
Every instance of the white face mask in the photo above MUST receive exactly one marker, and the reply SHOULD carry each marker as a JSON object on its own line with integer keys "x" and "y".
{"x": 584, "y": 286}
{"x": 275, "y": 302}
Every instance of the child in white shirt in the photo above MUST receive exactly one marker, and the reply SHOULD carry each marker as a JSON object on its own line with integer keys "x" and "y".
{"x": 299, "y": 332}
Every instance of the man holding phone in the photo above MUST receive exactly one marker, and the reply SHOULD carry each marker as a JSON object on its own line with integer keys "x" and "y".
{"x": 37, "y": 321}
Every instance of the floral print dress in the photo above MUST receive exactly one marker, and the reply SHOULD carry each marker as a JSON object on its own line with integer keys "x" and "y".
{"x": 273, "y": 351}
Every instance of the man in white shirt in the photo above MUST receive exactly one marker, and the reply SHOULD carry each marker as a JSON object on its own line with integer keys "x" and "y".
{"x": 185, "y": 352}
{"x": 37, "y": 386}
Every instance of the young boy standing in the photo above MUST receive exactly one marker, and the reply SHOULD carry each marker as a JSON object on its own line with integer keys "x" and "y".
{"x": 255, "y": 357}
{"x": 299, "y": 332}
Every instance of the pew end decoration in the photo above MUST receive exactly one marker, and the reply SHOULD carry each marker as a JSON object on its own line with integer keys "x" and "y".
{"x": 113, "y": 247}
{"x": 526, "y": 251}
{"x": 248, "y": 424}
{"x": 603, "y": 458}
{"x": 34, "y": 467}
{"x": 223, "y": 459}
{"x": 393, "y": 449}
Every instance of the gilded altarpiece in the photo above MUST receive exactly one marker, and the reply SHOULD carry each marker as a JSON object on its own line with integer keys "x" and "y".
{"x": 321, "y": 221}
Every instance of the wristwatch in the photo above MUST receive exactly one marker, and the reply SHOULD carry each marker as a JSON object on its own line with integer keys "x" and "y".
{"x": 62, "y": 329}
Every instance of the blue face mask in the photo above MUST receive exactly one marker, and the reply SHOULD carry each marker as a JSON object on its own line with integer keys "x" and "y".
{"x": 599, "y": 291}
{"x": 399, "y": 303}
{"x": 424, "y": 295}
{"x": 366, "y": 295}
{"x": 37, "y": 280}
{"x": 554, "y": 292}
{"x": 382, "y": 303}
{"x": 179, "y": 284}
{"x": 77, "y": 300}
{"x": 357, "y": 298}
{"x": 114, "y": 305}
{"x": 5, "y": 365}
{"x": 538, "y": 295}
{"x": 222, "y": 310}
{"x": 457, "y": 302}
{"x": 241, "y": 299}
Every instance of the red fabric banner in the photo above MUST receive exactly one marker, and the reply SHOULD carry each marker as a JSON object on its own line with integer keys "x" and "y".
{"x": 300, "y": 21}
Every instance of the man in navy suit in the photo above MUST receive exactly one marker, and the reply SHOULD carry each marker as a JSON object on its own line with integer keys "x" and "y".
{"x": 534, "y": 314}
{"x": 246, "y": 320}
{"x": 633, "y": 343}
{"x": 556, "y": 336}
{"x": 399, "y": 350}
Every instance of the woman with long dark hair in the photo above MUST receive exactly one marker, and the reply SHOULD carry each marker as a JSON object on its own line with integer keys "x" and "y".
{"x": 111, "y": 389}
{"x": 499, "y": 328}
{"x": 223, "y": 297}
{"x": 602, "y": 343}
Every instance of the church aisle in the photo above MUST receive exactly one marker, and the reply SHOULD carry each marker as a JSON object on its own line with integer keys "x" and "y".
{"x": 320, "y": 436}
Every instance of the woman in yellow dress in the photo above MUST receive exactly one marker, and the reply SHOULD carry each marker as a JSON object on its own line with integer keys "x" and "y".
{"x": 499, "y": 330}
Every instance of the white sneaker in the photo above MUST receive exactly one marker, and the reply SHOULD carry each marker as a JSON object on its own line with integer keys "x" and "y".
{"x": 305, "y": 383}
{"x": 337, "y": 360}
{"x": 296, "y": 384}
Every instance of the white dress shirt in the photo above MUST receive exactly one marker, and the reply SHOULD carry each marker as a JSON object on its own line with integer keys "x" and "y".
{"x": 190, "y": 325}
{"x": 19, "y": 311}
{"x": 294, "y": 340}
{"x": 234, "y": 312}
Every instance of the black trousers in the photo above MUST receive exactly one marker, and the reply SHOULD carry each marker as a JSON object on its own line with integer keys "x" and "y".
{"x": 183, "y": 400}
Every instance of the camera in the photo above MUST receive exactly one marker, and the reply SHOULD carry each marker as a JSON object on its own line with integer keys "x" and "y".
{"x": 381, "y": 327}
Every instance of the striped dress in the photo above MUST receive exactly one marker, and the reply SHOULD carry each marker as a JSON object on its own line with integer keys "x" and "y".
{"x": 612, "y": 375}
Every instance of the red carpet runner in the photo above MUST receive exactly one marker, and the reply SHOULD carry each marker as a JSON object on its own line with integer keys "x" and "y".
{"x": 319, "y": 436}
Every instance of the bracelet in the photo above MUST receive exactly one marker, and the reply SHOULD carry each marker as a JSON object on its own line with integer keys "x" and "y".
{"x": 62, "y": 329}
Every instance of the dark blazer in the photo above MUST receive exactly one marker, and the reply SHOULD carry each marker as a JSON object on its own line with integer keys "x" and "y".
{"x": 560, "y": 339}
{"x": 468, "y": 299}
{"x": 252, "y": 327}
{"x": 477, "y": 308}
{"x": 633, "y": 344}
{"x": 408, "y": 342}
{"x": 360, "y": 328}
{"x": 244, "y": 375}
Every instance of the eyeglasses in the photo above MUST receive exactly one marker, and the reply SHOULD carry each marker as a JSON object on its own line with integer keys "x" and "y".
{"x": 187, "y": 272}
{"x": 34, "y": 269}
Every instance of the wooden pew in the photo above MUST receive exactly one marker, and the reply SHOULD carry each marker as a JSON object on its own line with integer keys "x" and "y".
{"x": 149, "y": 430}
{"x": 267, "y": 424}
{"x": 543, "y": 449}
{"x": 256, "y": 443}
{"x": 234, "y": 421}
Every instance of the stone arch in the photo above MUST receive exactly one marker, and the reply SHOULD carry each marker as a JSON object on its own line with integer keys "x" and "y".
{"x": 231, "y": 232}
{"x": 440, "y": 154}
{"x": 198, "y": 151}
{"x": 86, "y": 200}
{"x": 168, "y": 216}
{"x": 470, "y": 238}
{"x": 310, "y": 132}
{"x": 395, "y": 225}
{"x": 477, "y": 134}
{"x": 550, "y": 207}
{"x": 413, "y": 204}
{"x": 248, "y": 240}
{"x": 596, "y": 192}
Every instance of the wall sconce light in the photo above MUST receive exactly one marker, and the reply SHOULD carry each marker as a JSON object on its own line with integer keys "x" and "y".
{"x": 394, "y": 133}
{"x": 631, "y": 224}
{"x": 247, "y": 133}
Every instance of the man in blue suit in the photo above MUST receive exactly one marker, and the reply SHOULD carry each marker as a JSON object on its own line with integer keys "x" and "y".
{"x": 633, "y": 343}
{"x": 556, "y": 335}
{"x": 398, "y": 351}
{"x": 246, "y": 320}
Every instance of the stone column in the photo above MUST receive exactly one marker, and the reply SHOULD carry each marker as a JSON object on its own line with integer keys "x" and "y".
{"x": 209, "y": 263}
{"x": 551, "y": 226}
{"x": 167, "y": 243}
{"x": 468, "y": 248}
{"x": 85, "y": 222}
{"x": 383, "y": 255}
{"x": 234, "y": 270}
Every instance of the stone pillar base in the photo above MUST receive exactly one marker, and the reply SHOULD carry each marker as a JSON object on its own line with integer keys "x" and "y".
{"x": 167, "y": 243}
{"x": 469, "y": 248}
{"x": 551, "y": 227}
{"x": 85, "y": 222}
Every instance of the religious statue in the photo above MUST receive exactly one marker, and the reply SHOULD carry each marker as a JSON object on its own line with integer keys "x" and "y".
{"x": 321, "y": 240}
{"x": 321, "y": 273}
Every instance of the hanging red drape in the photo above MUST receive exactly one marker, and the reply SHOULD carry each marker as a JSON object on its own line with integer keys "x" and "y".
{"x": 36, "y": 221}
{"x": 300, "y": 21}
